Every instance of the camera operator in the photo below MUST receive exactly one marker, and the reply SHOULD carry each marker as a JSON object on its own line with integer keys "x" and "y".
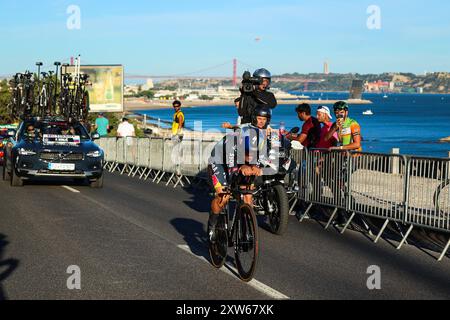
{"x": 254, "y": 91}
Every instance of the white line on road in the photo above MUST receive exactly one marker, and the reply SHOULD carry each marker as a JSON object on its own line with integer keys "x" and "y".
{"x": 71, "y": 189}
{"x": 255, "y": 284}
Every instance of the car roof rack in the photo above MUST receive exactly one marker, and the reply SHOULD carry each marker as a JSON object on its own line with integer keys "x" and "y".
{"x": 26, "y": 106}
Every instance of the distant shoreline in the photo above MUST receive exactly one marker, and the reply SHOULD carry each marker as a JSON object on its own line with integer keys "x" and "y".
{"x": 133, "y": 105}
{"x": 379, "y": 93}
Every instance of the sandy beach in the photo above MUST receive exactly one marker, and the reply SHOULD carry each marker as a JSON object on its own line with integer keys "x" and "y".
{"x": 138, "y": 104}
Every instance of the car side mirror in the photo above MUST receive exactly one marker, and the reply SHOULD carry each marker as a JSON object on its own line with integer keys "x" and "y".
{"x": 95, "y": 136}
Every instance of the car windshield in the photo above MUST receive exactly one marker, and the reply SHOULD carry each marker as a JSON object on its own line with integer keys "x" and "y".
{"x": 37, "y": 130}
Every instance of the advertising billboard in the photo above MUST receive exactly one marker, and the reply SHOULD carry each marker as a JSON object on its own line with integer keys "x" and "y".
{"x": 106, "y": 86}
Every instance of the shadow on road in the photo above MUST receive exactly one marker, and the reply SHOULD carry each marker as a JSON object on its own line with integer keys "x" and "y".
{"x": 369, "y": 227}
{"x": 7, "y": 267}
{"x": 194, "y": 235}
{"x": 201, "y": 191}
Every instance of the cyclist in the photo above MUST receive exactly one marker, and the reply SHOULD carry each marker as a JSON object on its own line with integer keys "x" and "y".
{"x": 244, "y": 154}
{"x": 349, "y": 131}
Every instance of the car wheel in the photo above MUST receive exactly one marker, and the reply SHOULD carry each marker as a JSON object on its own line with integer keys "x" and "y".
{"x": 80, "y": 181}
{"x": 5, "y": 175}
{"x": 97, "y": 183}
{"x": 15, "y": 180}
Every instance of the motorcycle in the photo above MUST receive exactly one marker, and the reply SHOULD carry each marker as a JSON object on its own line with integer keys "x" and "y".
{"x": 271, "y": 195}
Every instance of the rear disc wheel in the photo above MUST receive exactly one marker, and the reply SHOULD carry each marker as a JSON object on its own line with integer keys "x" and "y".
{"x": 218, "y": 249}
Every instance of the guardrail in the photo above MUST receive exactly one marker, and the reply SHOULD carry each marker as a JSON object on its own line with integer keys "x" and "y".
{"x": 414, "y": 191}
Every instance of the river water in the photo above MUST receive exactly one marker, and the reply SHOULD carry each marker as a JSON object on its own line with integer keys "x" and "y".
{"x": 412, "y": 122}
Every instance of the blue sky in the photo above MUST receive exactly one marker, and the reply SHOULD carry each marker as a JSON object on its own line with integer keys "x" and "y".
{"x": 181, "y": 36}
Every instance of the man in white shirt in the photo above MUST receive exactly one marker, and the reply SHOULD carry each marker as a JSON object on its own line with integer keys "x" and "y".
{"x": 126, "y": 131}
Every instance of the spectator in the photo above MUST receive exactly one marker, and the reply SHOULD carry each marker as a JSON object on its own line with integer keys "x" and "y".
{"x": 178, "y": 121}
{"x": 310, "y": 135}
{"x": 324, "y": 117}
{"x": 102, "y": 125}
{"x": 348, "y": 130}
{"x": 125, "y": 129}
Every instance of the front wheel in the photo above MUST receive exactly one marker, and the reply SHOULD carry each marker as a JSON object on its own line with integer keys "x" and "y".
{"x": 97, "y": 183}
{"x": 246, "y": 247}
{"x": 6, "y": 175}
{"x": 16, "y": 181}
{"x": 279, "y": 205}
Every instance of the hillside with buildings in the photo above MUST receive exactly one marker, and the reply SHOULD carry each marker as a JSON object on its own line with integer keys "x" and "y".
{"x": 221, "y": 88}
{"x": 386, "y": 82}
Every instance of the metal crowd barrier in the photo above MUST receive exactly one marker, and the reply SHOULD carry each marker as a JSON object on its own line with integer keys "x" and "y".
{"x": 429, "y": 195}
{"x": 378, "y": 187}
{"x": 158, "y": 158}
{"x": 413, "y": 191}
{"x": 399, "y": 189}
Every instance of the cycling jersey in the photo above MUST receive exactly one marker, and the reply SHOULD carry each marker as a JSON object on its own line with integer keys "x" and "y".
{"x": 350, "y": 129}
{"x": 229, "y": 154}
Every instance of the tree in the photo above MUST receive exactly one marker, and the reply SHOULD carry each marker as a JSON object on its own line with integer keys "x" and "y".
{"x": 147, "y": 93}
{"x": 5, "y": 97}
{"x": 205, "y": 97}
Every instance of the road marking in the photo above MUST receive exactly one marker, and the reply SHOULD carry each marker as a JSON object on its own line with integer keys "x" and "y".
{"x": 71, "y": 189}
{"x": 255, "y": 284}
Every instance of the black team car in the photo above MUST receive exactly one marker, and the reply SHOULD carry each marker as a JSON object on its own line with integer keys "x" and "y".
{"x": 53, "y": 148}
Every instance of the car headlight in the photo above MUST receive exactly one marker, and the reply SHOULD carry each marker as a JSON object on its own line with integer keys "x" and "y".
{"x": 25, "y": 152}
{"x": 94, "y": 154}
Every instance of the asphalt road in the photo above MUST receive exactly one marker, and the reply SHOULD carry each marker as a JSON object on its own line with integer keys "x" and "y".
{"x": 137, "y": 240}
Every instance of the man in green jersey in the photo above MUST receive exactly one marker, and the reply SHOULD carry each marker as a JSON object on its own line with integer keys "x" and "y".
{"x": 348, "y": 130}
